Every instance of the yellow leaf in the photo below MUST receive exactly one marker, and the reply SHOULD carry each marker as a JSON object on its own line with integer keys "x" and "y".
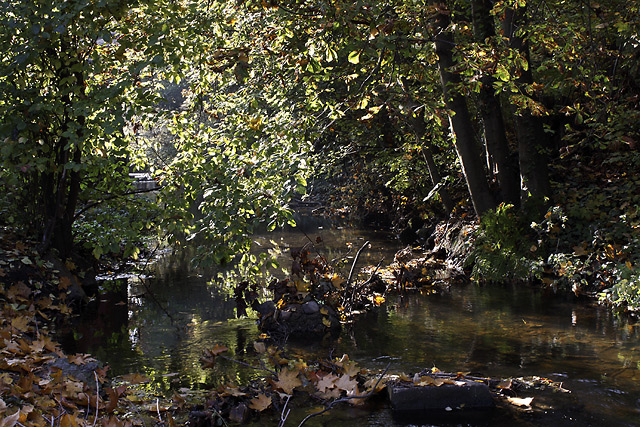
{"x": 337, "y": 281}
{"x": 302, "y": 286}
{"x": 326, "y": 322}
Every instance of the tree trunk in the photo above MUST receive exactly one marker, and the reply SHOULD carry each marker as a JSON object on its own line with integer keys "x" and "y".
{"x": 467, "y": 148}
{"x": 499, "y": 161}
{"x": 61, "y": 187}
{"x": 532, "y": 141}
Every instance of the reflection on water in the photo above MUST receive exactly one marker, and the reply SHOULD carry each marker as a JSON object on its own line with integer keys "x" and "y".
{"x": 497, "y": 332}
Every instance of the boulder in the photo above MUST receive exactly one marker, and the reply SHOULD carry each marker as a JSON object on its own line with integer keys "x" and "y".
{"x": 300, "y": 320}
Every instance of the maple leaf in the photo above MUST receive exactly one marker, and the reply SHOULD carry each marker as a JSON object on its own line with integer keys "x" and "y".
{"x": 20, "y": 323}
{"x": 288, "y": 380}
{"x": 216, "y": 350}
{"x": 114, "y": 395}
{"x": 260, "y": 403}
{"x": 135, "y": 378}
{"x": 65, "y": 282}
{"x": 79, "y": 359}
{"x": 102, "y": 373}
{"x": 346, "y": 383}
{"x": 350, "y": 368}
{"x": 231, "y": 390}
{"x": 333, "y": 393}
{"x": 19, "y": 290}
{"x": 327, "y": 382}
{"x": 73, "y": 388}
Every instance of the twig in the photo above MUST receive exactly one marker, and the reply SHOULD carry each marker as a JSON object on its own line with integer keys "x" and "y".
{"x": 137, "y": 412}
{"x": 97, "y": 397}
{"x": 283, "y": 416}
{"x": 347, "y": 398}
{"x": 355, "y": 261}
{"x": 220, "y": 416}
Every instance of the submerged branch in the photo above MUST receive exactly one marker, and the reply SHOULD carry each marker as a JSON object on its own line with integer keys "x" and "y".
{"x": 355, "y": 261}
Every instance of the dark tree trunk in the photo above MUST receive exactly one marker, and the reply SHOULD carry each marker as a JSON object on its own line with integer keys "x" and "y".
{"x": 468, "y": 149}
{"x": 60, "y": 189}
{"x": 499, "y": 161}
{"x": 532, "y": 141}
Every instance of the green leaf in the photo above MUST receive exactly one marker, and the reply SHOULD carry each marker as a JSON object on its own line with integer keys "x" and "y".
{"x": 354, "y": 57}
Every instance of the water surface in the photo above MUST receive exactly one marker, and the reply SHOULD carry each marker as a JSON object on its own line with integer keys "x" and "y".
{"x": 490, "y": 331}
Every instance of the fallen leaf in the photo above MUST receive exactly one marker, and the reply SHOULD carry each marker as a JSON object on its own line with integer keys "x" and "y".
{"x": 346, "y": 383}
{"x": 337, "y": 281}
{"x": 288, "y": 380}
{"x": 10, "y": 421}
{"x": 65, "y": 282}
{"x": 68, "y": 420}
{"x": 373, "y": 382}
{"x": 217, "y": 349}
{"x": 234, "y": 391}
{"x": 135, "y": 378}
{"x": 114, "y": 395}
{"x": 333, "y": 393}
{"x": 259, "y": 347}
{"x": 326, "y": 382}
{"x": 20, "y": 323}
{"x": 260, "y": 403}
{"x": 350, "y": 368}
{"x": 520, "y": 401}
{"x": 505, "y": 383}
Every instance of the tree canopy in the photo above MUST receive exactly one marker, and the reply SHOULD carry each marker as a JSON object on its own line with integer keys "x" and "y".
{"x": 230, "y": 106}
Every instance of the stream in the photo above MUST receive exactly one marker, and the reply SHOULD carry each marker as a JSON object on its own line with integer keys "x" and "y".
{"x": 498, "y": 332}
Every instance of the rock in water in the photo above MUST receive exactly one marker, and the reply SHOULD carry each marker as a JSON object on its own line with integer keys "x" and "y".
{"x": 459, "y": 395}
